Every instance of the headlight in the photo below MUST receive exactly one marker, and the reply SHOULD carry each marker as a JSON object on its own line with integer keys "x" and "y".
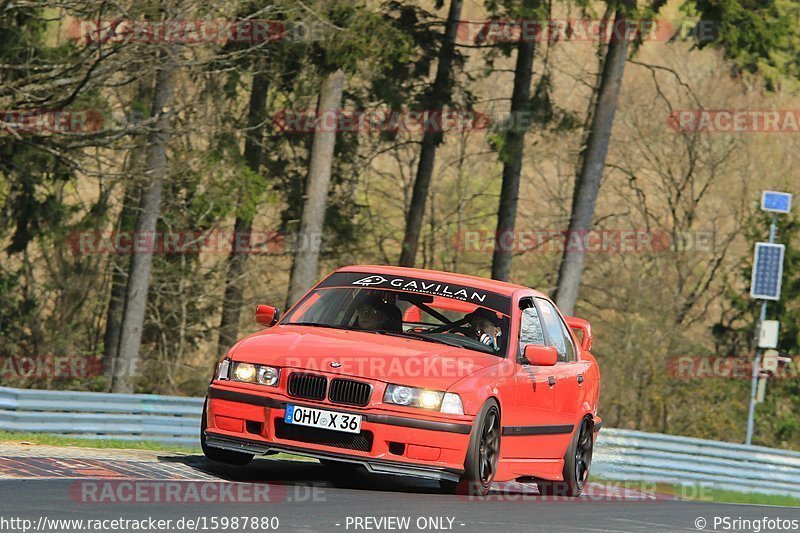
{"x": 248, "y": 373}
{"x": 244, "y": 372}
{"x": 425, "y": 399}
{"x": 429, "y": 399}
{"x": 268, "y": 376}
{"x": 401, "y": 395}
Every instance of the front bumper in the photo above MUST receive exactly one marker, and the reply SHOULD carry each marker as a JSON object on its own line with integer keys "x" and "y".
{"x": 241, "y": 420}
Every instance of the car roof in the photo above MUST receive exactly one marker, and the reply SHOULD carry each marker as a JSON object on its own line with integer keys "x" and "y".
{"x": 500, "y": 287}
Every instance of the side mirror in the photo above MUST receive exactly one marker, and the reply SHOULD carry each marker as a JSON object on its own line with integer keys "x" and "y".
{"x": 267, "y": 315}
{"x": 540, "y": 355}
{"x": 585, "y": 329}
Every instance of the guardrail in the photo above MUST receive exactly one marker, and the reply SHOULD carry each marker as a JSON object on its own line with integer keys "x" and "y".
{"x": 96, "y": 415}
{"x": 620, "y": 454}
{"x": 627, "y": 455}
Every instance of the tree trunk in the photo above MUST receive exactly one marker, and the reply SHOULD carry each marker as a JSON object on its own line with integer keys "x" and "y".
{"x": 512, "y": 167}
{"x": 587, "y": 185}
{"x": 119, "y": 279}
{"x": 439, "y": 95}
{"x": 121, "y": 263}
{"x": 150, "y": 206}
{"x": 253, "y": 152}
{"x": 306, "y": 257}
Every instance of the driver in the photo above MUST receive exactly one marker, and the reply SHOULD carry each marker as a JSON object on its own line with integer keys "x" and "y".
{"x": 484, "y": 326}
{"x": 374, "y": 314}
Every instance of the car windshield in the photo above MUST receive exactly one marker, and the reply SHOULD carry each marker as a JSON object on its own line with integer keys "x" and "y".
{"x": 425, "y": 310}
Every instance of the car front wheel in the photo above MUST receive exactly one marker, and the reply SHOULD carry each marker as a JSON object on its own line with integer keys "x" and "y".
{"x": 483, "y": 453}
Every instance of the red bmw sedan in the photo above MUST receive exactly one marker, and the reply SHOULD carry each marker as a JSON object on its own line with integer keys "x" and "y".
{"x": 414, "y": 372}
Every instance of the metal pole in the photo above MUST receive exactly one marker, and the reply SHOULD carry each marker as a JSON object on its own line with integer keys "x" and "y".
{"x": 757, "y": 362}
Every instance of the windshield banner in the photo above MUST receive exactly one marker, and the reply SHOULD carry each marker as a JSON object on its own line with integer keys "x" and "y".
{"x": 492, "y": 300}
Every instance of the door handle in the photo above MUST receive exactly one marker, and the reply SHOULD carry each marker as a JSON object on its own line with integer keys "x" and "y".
{"x": 580, "y": 379}
{"x": 551, "y": 381}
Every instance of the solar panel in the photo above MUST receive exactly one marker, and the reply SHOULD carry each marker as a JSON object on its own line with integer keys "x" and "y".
{"x": 776, "y": 202}
{"x": 767, "y": 271}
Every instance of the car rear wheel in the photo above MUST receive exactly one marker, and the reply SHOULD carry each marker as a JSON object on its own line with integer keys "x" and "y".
{"x": 217, "y": 454}
{"x": 577, "y": 463}
{"x": 483, "y": 453}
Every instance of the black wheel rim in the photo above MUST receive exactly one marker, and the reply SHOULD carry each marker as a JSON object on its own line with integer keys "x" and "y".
{"x": 489, "y": 450}
{"x": 583, "y": 454}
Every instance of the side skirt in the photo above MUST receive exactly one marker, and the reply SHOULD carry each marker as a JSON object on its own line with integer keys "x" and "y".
{"x": 512, "y": 469}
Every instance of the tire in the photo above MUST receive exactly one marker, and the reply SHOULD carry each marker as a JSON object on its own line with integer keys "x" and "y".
{"x": 483, "y": 452}
{"x": 218, "y": 454}
{"x": 577, "y": 463}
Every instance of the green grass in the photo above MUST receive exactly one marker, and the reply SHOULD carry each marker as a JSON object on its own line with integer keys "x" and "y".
{"x": 13, "y": 437}
{"x": 704, "y": 493}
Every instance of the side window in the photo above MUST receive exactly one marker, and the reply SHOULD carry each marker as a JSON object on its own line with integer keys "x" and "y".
{"x": 556, "y": 332}
{"x": 567, "y": 341}
{"x": 530, "y": 328}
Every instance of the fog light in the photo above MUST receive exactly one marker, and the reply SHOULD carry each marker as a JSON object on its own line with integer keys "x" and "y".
{"x": 245, "y": 372}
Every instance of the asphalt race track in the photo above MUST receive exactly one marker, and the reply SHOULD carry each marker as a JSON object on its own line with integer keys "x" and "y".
{"x": 43, "y": 484}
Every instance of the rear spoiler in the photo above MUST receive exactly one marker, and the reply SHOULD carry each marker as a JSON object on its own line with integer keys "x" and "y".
{"x": 579, "y": 325}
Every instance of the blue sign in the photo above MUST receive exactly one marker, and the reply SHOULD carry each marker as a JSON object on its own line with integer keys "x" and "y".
{"x": 767, "y": 271}
{"x": 776, "y": 202}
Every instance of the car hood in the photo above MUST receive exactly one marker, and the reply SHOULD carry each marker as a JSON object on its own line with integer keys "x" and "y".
{"x": 367, "y": 355}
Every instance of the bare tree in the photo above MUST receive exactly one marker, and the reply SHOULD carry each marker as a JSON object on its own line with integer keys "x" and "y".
{"x": 119, "y": 283}
{"x": 439, "y": 95}
{"x": 150, "y": 206}
{"x": 306, "y": 258}
{"x": 512, "y": 152}
{"x": 253, "y": 153}
{"x": 593, "y": 158}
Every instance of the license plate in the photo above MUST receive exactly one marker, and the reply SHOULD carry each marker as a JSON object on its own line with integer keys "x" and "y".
{"x": 319, "y": 418}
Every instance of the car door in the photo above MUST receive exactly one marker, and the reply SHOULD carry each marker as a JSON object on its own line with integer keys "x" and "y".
{"x": 569, "y": 372}
{"x": 527, "y": 431}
